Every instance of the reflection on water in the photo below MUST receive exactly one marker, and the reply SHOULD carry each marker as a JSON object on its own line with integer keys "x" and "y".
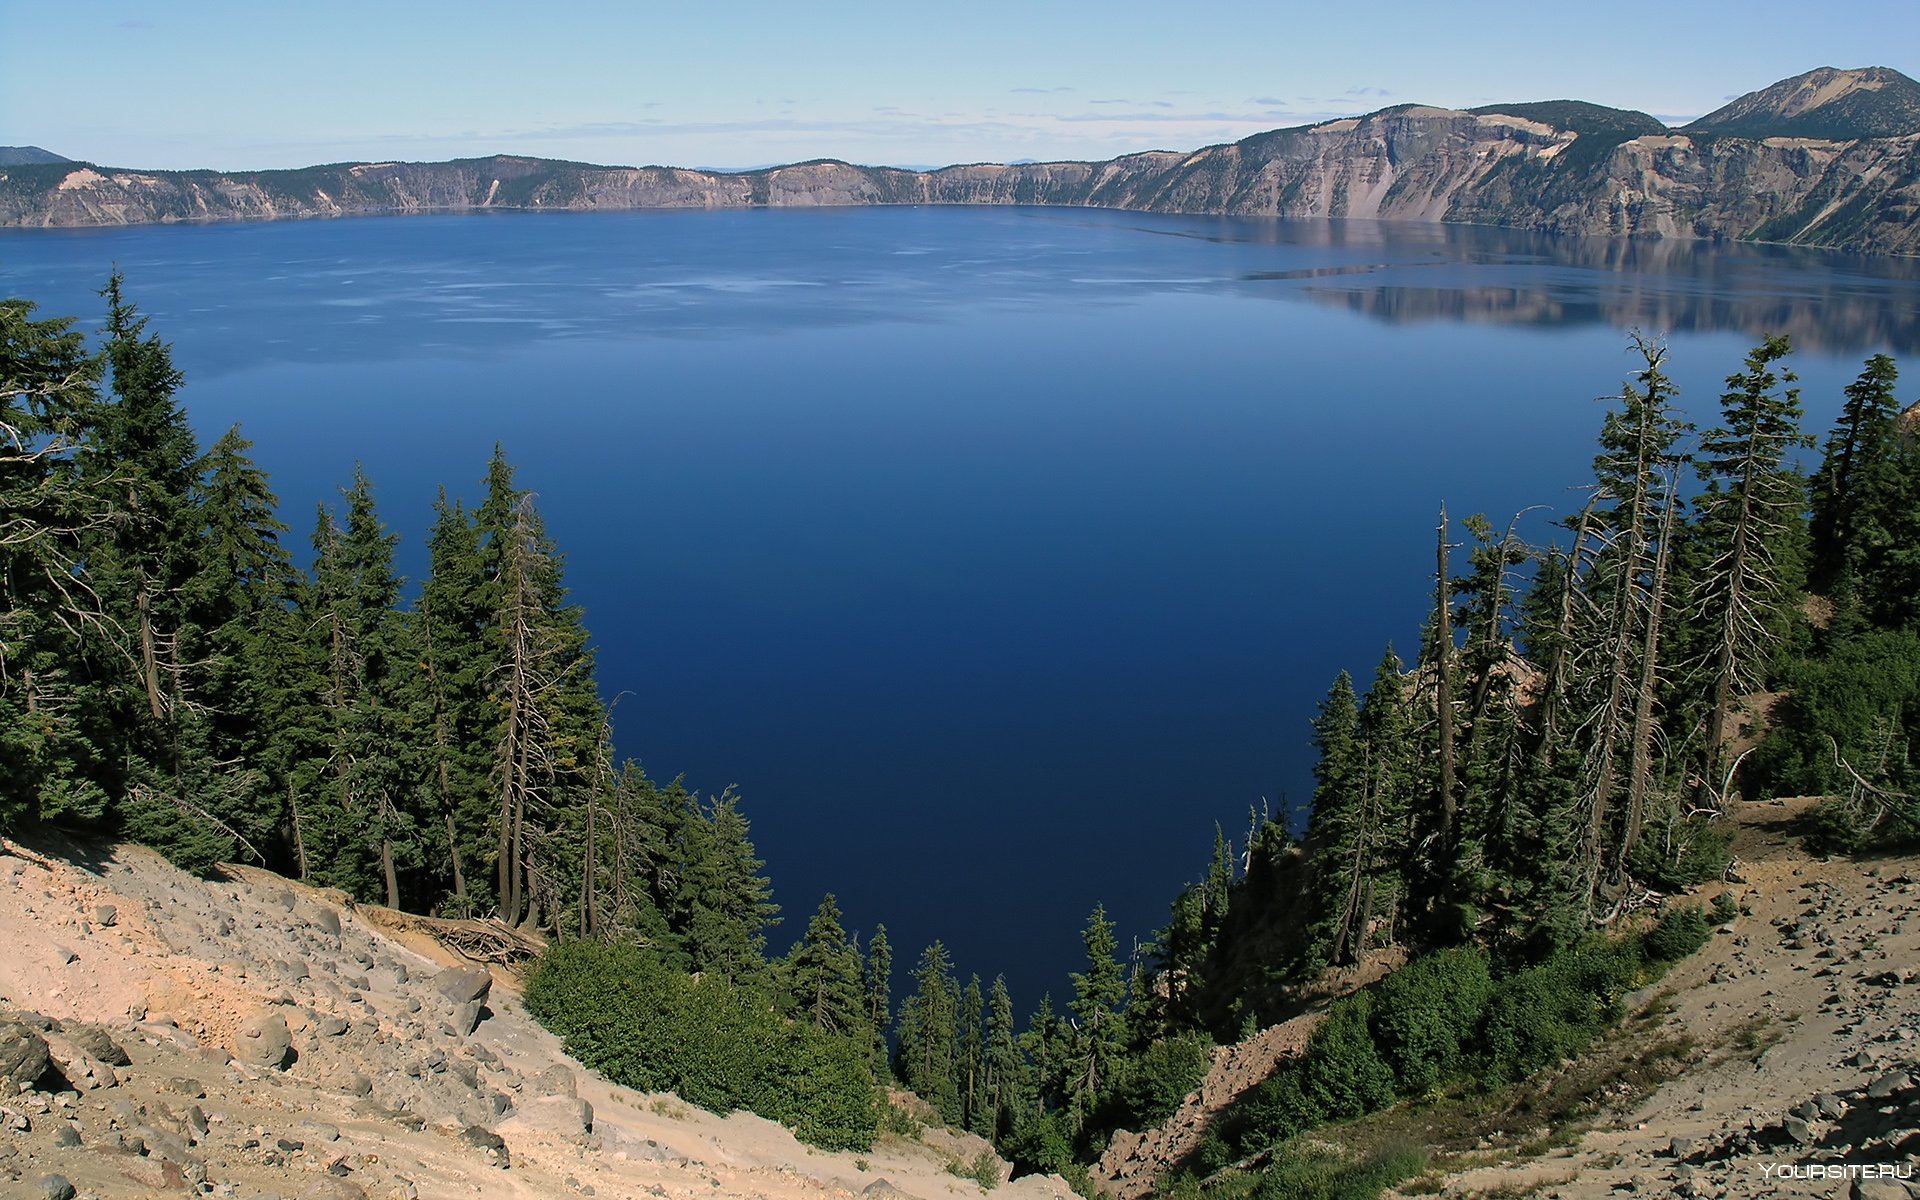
{"x": 394, "y": 287}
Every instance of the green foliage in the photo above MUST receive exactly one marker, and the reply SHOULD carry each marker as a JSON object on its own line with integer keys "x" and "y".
{"x": 1551, "y": 1011}
{"x": 1161, "y": 1076}
{"x": 1303, "y": 1174}
{"x": 717, "y": 1044}
{"x": 1427, "y": 1014}
{"x": 1680, "y": 931}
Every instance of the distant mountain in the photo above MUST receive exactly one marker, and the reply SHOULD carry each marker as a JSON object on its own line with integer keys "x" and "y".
{"x": 20, "y": 156}
{"x": 1561, "y": 166}
{"x": 1829, "y": 104}
{"x": 1578, "y": 116}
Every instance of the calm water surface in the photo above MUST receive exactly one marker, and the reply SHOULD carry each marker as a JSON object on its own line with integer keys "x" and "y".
{"x": 994, "y": 553}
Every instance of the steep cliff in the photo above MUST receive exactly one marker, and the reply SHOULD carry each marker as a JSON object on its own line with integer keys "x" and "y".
{"x": 1747, "y": 172}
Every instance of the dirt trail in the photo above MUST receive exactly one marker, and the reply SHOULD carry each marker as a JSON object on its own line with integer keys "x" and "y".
{"x": 400, "y": 1072}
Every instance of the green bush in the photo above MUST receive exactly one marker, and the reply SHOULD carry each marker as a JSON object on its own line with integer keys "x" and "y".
{"x": 1536, "y": 1018}
{"x": 1039, "y": 1146}
{"x": 718, "y": 1045}
{"x": 1297, "y": 1175}
{"x": 1160, "y": 1078}
{"x": 1679, "y": 932}
{"x": 1427, "y": 1012}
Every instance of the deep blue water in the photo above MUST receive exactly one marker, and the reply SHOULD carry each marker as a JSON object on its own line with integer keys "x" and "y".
{"x": 995, "y": 554}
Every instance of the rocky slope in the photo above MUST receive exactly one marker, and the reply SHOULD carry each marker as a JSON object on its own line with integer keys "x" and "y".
{"x": 1793, "y": 165}
{"x": 1790, "y": 1043}
{"x": 163, "y": 1035}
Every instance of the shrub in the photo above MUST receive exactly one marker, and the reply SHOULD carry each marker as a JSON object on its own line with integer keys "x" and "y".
{"x": 1298, "y": 1175}
{"x": 1426, "y": 1012}
{"x": 1160, "y": 1078}
{"x": 719, "y": 1045}
{"x": 1535, "y": 1019}
{"x": 1679, "y": 932}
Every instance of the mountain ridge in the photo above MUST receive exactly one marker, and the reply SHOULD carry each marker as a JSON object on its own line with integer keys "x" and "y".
{"x": 1563, "y": 166}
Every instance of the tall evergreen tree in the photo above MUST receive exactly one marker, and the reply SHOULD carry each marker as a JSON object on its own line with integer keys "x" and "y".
{"x": 1004, "y": 1068}
{"x": 1749, "y": 518}
{"x": 826, "y": 978}
{"x": 1099, "y": 1041}
{"x": 924, "y": 1043}
{"x": 877, "y": 981}
{"x": 1337, "y": 829}
{"x": 49, "y": 403}
{"x": 970, "y": 1059}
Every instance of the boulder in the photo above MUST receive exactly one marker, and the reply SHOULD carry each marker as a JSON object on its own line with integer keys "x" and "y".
{"x": 23, "y": 1054}
{"x": 99, "y": 1043}
{"x": 263, "y": 1040}
{"x": 463, "y": 985}
{"x": 566, "y": 1116}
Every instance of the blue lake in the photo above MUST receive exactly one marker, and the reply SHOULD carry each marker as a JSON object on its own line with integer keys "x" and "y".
{"x": 995, "y": 554}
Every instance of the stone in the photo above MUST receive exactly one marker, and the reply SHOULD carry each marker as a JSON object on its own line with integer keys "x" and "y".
{"x": 23, "y": 1054}
{"x": 329, "y": 1187}
{"x": 263, "y": 1040}
{"x": 331, "y": 1026}
{"x": 1798, "y": 1131}
{"x": 466, "y": 1018}
{"x": 56, "y": 1187}
{"x": 106, "y": 916}
{"x": 567, "y": 1116}
{"x": 100, "y": 1044}
{"x": 65, "y": 1135}
{"x": 463, "y": 985}
{"x": 1890, "y": 1084}
{"x": 324, "y": 919}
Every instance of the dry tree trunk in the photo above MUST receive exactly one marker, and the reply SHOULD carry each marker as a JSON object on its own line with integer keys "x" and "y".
{"x": 1641, "y": 779}
{"x": 1443, "y": 688}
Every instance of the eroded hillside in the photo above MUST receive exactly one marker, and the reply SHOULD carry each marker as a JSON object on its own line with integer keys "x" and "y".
{"x": 249, "y": 1036}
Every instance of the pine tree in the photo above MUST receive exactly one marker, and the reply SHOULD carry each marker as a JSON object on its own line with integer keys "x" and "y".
{"x": 825, "y": 975}
{"x": 924, "y": 1054}
{"x": 1337, "y": 829}
{"x": 1006, "y": 1084}
{"x": 1749, "y": 519}
{"x": 1099, "y": 1041}
{"x": 725, "y": 904}
{"x": 971, "y": 1060}
{"x": 1637, "y": 472}
{"x": 1390, "y": 862}
{"x": 49, "y": 404}
{"x": 1866, "y": 527}
{"x": 456, "y": 662}
{"x": 877, "y": 982}
{"x": 359, "y": 832}
{"x": 1862, "y": 441}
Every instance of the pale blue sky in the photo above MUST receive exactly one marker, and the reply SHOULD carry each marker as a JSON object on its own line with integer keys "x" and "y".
{"x": 245, "y": 85}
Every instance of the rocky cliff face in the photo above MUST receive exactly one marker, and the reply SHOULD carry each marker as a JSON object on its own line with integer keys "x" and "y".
{"x": 1559, "y": 167}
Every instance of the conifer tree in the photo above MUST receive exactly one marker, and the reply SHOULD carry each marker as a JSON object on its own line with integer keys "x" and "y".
{"x": 49, "y": 764}
{"x": 1636, "y": 471}
{"x": 825, "y": 975}
{"x": 877, "y": 982}
{"x": 970, "y": 1060}
{"x": 1862, "y": 441}
{"x": 1336, "y": 828}
{"x": 1005, "y": 1069}
{"x": 1749, "y": 519}
{"x": 725, "y": 905}
{"x": 1099, "y": 1040}
{"x": 924, "y": 1054}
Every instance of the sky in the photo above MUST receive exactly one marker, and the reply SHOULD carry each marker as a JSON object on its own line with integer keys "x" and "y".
{"x": 236, "y": 86}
